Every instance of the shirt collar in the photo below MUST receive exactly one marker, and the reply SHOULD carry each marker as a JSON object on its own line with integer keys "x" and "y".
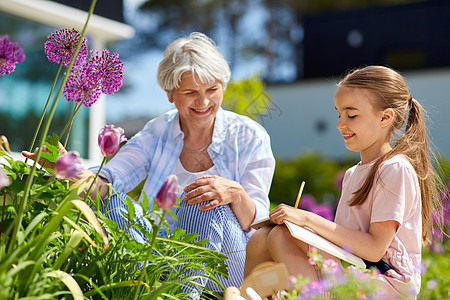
{"x": 175, "y": 129}
{"x": 219, "y": 132}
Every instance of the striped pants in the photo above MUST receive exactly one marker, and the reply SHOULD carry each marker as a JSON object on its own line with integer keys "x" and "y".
{"x": 218, "y": 225}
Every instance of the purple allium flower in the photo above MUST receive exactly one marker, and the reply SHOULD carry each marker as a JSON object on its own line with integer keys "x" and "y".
{"x": 107, "y": 70}
{"x": 167, "y": 196}
{"x": 109, "y": 139}
{"x": 82, "y": 87}
{"x": 102, "y": 73}
{"x": 4, "y": 180}
{"x": 61, "y": 45}
{"x": 324, "y": 210}
{"x": 68, "y": 165}
{"x": 10, "y": 54}
{"x": 307, "y": 202}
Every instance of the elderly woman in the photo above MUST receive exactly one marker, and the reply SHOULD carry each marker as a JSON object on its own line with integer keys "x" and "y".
{"x": 223, "y": 160}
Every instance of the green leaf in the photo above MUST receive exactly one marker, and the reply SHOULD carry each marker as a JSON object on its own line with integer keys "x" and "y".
{"x": 130, "y": 205}
{"x": 71, "y": 284}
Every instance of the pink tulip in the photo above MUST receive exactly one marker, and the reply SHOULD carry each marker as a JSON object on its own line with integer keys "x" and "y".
{"x": 68, "y": 165}
{"x": 109, "y": 140}
{"x": 167, "y": 196}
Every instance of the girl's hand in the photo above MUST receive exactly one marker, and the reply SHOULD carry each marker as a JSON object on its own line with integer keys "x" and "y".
{"x": 216, "y": 189}
{"x": 286, "y": 212}
{"x": 43, "y": 162}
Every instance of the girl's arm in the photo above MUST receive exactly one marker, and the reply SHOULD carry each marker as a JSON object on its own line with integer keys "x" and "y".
{"x": 370, "y": 246}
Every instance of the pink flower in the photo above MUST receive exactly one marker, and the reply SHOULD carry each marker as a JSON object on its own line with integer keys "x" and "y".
{"x": 109, "y": 140}
{"x": 4, "y": 180}
{"x": 102, "y": 73}
{"x": 10, "y": 54}
{"x": 68, "y": 165}
{"x": 61, "y": 45}
{"x": 167, "y": 196}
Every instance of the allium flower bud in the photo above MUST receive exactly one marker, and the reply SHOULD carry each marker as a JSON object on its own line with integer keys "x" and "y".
{"x": 68, "y": 165}
{"x": 167, "y": 195}
{"x": 109, "y": 139}
{"x": 4, "y": 180}
{"x": 10, "y": 54}
{"x": 61, "y": 45}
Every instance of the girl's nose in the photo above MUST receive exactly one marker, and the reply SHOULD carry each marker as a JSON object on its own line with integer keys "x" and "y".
{"x": 340, "y": 124}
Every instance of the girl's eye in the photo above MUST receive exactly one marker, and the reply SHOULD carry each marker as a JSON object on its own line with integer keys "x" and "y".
{"x": 351, "y": 117}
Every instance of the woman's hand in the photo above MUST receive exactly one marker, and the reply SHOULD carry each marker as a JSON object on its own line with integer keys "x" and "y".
{"x": 286, "y": 212}
{"x": 216, "y": 189}
{"x": 43, "y": 162}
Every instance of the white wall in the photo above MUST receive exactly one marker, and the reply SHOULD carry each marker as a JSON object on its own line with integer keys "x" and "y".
{"x": 297, "y": 110}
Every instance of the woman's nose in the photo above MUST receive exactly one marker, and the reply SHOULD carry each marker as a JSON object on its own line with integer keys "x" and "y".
{"x": 340, "y": 124}
{"x": 202, "y": 99}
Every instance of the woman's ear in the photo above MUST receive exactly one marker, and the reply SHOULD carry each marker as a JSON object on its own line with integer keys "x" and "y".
{"x": 387, "y": 117}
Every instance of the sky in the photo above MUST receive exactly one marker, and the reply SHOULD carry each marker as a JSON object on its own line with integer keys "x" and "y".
{"x": 144, "y": 97}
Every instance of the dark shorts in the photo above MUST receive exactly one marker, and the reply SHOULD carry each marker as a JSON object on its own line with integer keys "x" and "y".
{"x": 380, "y": 265}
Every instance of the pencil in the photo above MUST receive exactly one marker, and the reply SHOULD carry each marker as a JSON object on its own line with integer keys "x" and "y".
{"x": 299, "y": 194}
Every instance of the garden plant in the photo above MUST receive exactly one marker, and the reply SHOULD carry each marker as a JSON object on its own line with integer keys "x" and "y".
{"x": 56, "y": 243}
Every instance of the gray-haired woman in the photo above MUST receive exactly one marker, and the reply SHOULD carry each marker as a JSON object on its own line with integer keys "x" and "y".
{"x": 223, "y": 160}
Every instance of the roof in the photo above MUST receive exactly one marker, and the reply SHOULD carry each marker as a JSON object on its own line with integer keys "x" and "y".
{"x": 59, "y": 15}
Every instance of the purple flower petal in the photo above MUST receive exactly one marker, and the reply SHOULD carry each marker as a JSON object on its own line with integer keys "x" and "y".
{"x": 10, "y": 54}
{"x": 80, "y": 87}
{"x": 102, "y": 73}
{"x": 109, "y": 140}
{"x": 107, "y": 70}
{"x": 68, "y": 165}
{"x": 61, "y": 45}
{"x": 167, "y": 196}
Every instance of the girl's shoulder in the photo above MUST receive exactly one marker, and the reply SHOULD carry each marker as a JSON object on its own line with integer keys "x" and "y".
{"x": 396, "y": 165}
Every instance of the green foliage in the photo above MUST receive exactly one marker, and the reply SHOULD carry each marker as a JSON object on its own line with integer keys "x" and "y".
{"x": 436, "y": 274}
{"x": 319, "y": 173}
{"x": 247, "y": 97}
{"x": 64, "y": 248}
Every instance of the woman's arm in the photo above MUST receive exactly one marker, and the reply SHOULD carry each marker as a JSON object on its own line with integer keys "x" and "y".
{"x": 370, "y": 246}
{"x": 220, "y": 191}
{"x": 100, "y": 183}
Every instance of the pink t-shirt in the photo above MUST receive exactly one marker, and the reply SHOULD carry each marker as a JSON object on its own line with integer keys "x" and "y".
{"x": 395, "y": 195}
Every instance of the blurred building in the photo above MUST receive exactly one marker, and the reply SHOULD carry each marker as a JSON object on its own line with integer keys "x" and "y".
{"x": 23, "y": 93}
{"x": 412, "y": 38}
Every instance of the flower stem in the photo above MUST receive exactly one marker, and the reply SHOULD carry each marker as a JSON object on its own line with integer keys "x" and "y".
{"x": 45, "y": 109}
{"x": 149, "y": 251}
{"x": 70, "y": 127}
{"x": 22, "y": 204}
{"x": 76, "y": 109}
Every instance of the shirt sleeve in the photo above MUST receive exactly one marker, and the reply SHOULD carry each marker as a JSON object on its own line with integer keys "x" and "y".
{"x": 395, "y": 193}
{"x": 256, "y": 169}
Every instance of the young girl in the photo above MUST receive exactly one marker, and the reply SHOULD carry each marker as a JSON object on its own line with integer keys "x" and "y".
{"x": 384, "y": 214}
